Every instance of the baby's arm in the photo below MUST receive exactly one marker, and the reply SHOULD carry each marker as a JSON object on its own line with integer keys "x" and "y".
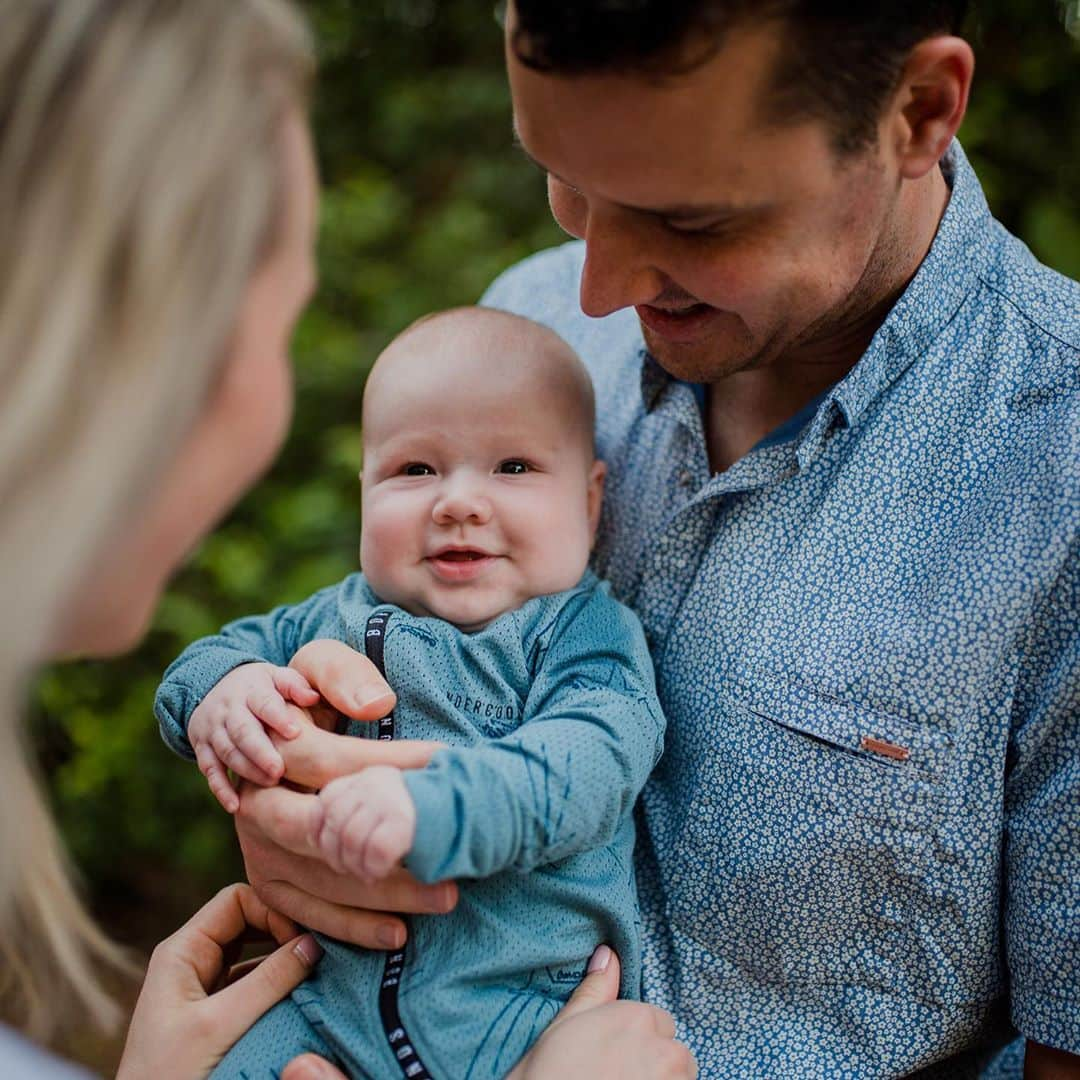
{"x": 562, "y": 783}
{"x": 219, "y": 695}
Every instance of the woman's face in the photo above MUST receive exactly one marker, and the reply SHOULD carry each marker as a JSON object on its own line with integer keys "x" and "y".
{"x": 234, "y": 440}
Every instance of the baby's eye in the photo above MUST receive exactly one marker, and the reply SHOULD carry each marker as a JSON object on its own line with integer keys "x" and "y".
{"x": 418, "y": 468}
{"x": 513, "y": 467}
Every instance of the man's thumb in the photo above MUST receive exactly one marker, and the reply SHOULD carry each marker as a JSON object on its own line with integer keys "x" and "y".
{"x": 600, "y": 985}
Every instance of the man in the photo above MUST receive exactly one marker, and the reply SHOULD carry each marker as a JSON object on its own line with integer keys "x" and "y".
{"x": 839, "y": 407}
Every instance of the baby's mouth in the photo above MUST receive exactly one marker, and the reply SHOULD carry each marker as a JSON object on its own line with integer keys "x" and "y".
{"x": 461, "y": 556}
{"x": 460, "y": 564}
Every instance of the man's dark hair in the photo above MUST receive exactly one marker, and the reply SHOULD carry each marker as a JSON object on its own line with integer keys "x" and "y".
{"x": 838, "y": 62}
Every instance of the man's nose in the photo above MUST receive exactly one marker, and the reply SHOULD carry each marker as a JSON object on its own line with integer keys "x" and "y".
{"x": 620, "y": 263}
{"x": 460, "y": 500}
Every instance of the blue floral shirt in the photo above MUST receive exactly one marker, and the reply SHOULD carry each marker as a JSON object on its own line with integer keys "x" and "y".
{"x": 861, "y": 850}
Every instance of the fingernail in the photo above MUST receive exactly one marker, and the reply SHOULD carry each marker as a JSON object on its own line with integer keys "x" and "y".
{"x": 364, "y": 699}
{"x": 441, "y": 899}
{"x": 389, "y": 936}
{"x": 309, "y": 950}
{"x": 600, "y": 960}
{"x": 292, "y": 730}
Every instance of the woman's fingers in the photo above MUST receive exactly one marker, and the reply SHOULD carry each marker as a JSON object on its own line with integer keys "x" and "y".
{"x": 310, "y": 1067}
{"x": 348, "y": 680}
{"x": 242, "y": 1002}
{"x": 600, "y": 985}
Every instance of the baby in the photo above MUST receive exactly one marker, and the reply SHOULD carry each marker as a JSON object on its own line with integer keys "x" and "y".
{"x": 481, "y": 496}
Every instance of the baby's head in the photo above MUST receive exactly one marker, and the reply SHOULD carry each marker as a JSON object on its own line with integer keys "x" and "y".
{"x": 481, "y": 484}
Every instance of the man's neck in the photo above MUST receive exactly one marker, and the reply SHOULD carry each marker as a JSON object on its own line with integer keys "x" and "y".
{"x": 745, "y": 406}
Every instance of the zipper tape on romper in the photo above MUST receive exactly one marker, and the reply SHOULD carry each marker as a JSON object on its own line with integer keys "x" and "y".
{"x": 400, "y": 1044}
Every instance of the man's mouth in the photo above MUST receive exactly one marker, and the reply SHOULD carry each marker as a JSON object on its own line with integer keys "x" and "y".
{"x": 681, "y": 325}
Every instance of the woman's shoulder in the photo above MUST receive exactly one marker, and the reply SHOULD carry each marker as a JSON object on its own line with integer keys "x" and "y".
{"x": 21, "y": 1058}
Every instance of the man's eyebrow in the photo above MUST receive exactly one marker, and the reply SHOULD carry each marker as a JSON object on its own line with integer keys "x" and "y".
{"x": 678, "y": 212}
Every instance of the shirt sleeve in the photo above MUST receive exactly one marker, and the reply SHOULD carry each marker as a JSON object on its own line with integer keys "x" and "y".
{"x": 1042, "y": 822}
{"x": 273, "y": 638}
{"x": 567, "y": 778}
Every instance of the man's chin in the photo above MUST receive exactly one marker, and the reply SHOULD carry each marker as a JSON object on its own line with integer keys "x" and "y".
{"x": 703, "y": 361}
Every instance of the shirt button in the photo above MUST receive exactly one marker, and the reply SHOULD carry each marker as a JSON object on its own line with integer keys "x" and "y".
{"x": 686, "y": 478}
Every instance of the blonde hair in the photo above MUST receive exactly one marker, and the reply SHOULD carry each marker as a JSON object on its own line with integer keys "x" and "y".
{"x": 140, "y": 184}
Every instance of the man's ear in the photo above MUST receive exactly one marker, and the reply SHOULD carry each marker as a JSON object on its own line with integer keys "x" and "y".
{"x": 930, "y": 103}
{"x": 595, "y": 495}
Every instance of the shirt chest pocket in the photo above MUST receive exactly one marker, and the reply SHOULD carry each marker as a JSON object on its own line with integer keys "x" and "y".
{"x": 808, "y": 846}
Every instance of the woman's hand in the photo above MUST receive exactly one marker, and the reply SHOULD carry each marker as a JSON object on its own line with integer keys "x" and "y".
{"x": 186, "y": 1017}
{"x": 597, "y": 1036}
{"x": 278, "y": 827}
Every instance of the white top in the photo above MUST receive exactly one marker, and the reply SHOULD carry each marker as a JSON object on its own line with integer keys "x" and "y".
{"x": 21, "y": 1058}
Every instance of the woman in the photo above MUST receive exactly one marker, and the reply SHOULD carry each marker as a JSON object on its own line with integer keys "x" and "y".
{"x": 157, "y": 221}
{"x": 157, "y": 209}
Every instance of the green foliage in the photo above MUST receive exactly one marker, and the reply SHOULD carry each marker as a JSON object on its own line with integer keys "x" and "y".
{"x": 425, "y": 202}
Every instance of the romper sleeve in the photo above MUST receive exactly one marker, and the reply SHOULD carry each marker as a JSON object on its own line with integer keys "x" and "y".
{"x": 273, "y": 638}
{"x": 1042, "y": 825}
{"x": 567, "y": 778}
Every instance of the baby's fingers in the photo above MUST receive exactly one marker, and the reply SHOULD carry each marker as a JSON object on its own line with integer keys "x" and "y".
{"x": 388, "y": 843}
{"x": 271, "y": 709}
{"x": 233, "y": 755}
{"x": 216, "y": 776}
{"x": 292, "y": 686}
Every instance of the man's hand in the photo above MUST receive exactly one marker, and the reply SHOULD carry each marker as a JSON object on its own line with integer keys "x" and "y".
{"x": 368, "y": 823}
{"x": 278, "y": 827}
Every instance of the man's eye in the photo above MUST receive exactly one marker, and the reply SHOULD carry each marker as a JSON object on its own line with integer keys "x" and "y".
{"x": 418, "y": 468}
{"x": 513, "y": 467}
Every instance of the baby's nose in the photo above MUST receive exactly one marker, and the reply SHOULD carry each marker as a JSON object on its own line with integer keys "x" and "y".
{"x": 461, "y": 501}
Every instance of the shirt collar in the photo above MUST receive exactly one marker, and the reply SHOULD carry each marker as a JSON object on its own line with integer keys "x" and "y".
{"x": 966, "y": 242}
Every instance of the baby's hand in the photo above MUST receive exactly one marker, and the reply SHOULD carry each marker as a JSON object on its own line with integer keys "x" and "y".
{"x": 368, "y": 822}
{"x": 227, "y": 729}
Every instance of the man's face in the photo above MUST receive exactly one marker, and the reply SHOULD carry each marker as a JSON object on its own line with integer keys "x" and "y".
{"x": 735, "y": 240}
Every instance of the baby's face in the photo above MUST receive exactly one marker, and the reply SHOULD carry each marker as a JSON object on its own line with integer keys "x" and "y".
{"x": 479, "y": 489}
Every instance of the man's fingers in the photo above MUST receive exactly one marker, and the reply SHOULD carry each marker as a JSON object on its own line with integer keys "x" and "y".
{"x": 600, "y": 985}
{"x": 291, "y": 819}
{"x": 310, "y": 1067}
{"x": 368, "y": 929}
{"x": 246, "y": 999}
{"x": 348, "y": 680}
{"x": 315, "y": 757}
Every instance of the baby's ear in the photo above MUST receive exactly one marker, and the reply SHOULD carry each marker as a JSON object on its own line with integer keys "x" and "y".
{"x": 595, "y": 495}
